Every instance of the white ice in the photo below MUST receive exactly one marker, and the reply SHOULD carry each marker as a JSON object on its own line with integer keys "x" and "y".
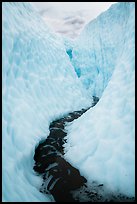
{"x": 101, "y": 143}
{"x": 39, "y": 84}
{"x": 97, "y": 49}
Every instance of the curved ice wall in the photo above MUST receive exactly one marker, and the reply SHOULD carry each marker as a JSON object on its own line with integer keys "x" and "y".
{"x": 104, "y": 151}
{"x": 97, "y": 49}
{"x": 38, "y": 85}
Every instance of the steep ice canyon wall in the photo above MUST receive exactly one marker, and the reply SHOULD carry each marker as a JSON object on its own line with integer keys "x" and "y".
{"x": 101, "y": 143}
{"x": 98, "y": 48}
{"x": 38, "y": 85}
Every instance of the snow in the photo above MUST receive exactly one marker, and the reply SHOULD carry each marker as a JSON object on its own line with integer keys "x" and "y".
{"x": 39, "y": 85}
{"x": 101, "y": 143}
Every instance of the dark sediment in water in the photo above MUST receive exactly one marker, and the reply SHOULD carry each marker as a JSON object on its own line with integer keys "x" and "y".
{"x": 60, "y": 178}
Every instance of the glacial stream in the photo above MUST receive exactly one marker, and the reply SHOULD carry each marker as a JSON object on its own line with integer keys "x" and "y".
{"x": 60, "y": 178}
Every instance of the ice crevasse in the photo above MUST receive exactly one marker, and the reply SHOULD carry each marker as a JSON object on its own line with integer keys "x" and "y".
{"x": 96, "y": 51}
{"x": 101, "y": 143}
{"x": 39, "y": 84}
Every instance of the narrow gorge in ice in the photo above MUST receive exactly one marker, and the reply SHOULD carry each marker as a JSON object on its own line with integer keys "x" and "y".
{"x": 68, "y": 108}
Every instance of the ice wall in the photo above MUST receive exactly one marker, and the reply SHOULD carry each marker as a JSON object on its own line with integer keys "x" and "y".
{"x": 97, "y": 49}
{"x": 38, "y": 85}
{"x": 101, "y": 143}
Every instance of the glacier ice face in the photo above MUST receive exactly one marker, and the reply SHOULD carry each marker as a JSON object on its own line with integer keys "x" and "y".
{"x": 104, "y": 150}
{"x": 98, "y": 47}
{"x": 38, "y": 85}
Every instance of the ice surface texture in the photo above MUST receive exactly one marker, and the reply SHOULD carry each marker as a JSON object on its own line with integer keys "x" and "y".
{"x": 101, "y": 143}
{"x": 98, "y": 48}
{"x": 39, "y": 84}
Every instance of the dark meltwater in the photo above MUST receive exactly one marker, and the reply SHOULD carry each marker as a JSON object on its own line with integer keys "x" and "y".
{"x": 61, "y": 179}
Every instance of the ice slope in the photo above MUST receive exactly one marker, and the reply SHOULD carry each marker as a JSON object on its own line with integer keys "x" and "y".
{"x": 38, "y": 85}
{"x": 98, "y": 47}
{"x": 101, "y": 143}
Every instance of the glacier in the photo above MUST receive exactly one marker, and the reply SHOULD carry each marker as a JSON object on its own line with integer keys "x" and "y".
{"x": 97, "y": 49}
{"x": 39, "y": 84}
{"x": 45, "y": 76}
{"x": 101, "y": 143}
